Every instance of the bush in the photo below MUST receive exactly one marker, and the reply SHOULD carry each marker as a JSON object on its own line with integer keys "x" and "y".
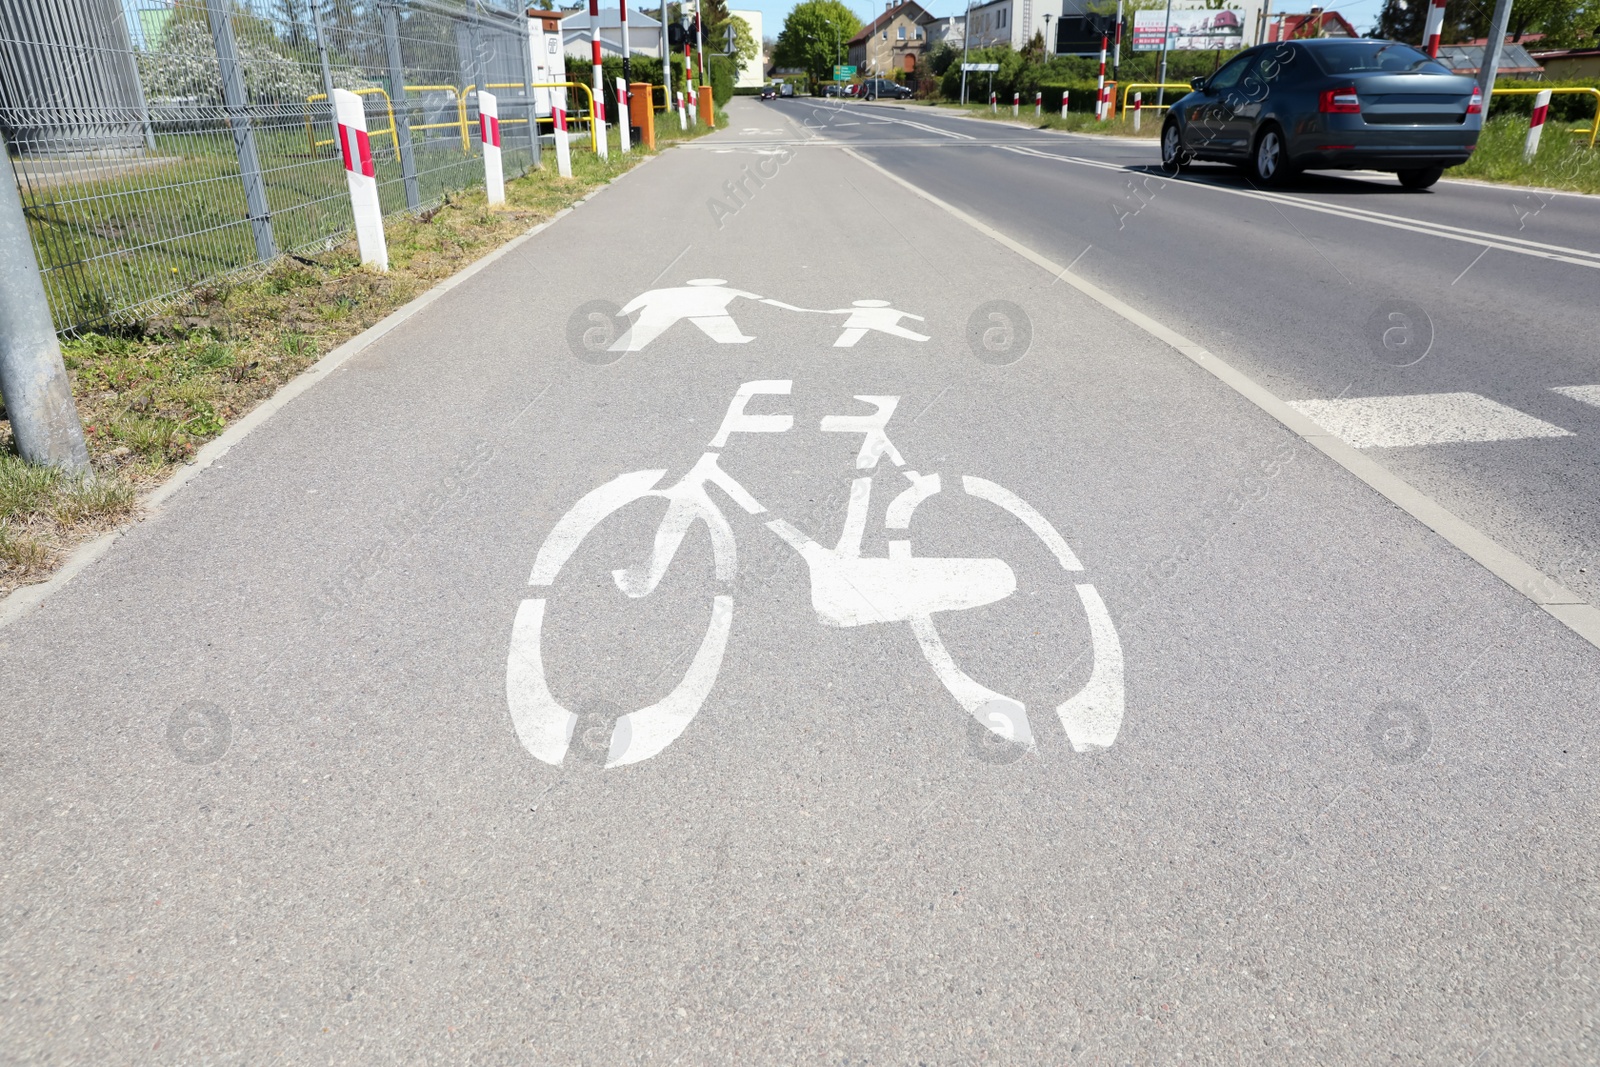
{"x": 723, "y": 75}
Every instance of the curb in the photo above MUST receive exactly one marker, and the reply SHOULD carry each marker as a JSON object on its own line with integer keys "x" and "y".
{"x": 24, "y": 599}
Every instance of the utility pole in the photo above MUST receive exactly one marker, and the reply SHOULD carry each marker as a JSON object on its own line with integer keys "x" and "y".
{"x": 33, "y": 379}
{"x": 1166, "y": 36}
{"x": 1492, "y": 50}
{"x": 966, "y": 36}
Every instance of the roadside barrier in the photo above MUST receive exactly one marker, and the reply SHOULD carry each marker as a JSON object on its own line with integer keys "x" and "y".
{"x": 1064, "y": 96}
{"x": 1594, "y": 126}
{"x": 623, "y": 116}
{"x": 1016, "y": 103}
{"x": 350, "y": 117}
{"x": 1138, "y": 106}
{"x": 563, "y": 152}
{"x": 683, "y": 113}
{"x": 992, "y": 106}
{"x": 1133, "y": 87}
{"x": 1038, "y": 104}
{"x": 494, "y": 178}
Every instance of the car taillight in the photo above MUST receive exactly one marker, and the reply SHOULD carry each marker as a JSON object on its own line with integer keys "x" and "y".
{"x": 1339, "y": 102}
{"x": 1475, "y": 105}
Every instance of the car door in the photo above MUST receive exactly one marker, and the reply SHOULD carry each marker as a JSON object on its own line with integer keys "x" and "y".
{"x": 1211, "y": 129}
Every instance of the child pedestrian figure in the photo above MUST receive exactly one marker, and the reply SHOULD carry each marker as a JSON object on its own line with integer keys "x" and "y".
{"x": 869, "y": 315}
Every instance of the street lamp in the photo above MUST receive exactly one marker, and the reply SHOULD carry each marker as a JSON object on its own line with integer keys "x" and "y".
{"x": 1049, "y": 43}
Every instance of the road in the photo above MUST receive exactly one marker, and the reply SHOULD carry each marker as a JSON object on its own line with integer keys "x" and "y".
{"x": 1150, "y": 731}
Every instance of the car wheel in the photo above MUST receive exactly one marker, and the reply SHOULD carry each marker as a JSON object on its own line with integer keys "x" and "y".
{"x": 1420, "y": 177}
{"x": 1269, "y": 163}
{"x": 1175, "y": 158}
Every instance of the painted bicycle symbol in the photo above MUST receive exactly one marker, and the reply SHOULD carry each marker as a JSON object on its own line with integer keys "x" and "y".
{"x": 847, "y": 589}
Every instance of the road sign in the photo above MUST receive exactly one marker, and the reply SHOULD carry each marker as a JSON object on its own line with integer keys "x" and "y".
{"x": 841, "y": 74}
{"x": 981, "y": 67}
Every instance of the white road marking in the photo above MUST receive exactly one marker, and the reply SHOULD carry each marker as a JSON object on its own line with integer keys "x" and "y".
{"x": 1587, "y": 394}
{"x": 1424, "y": 419}
{"x": 1561, "y": 603}
{"x": 998, "y": 494}
{"x": 978, "y": 701}
{"x": 543, "y": 726}
{"x": 1093, "y": 718}
{"x": 643, "y": 733}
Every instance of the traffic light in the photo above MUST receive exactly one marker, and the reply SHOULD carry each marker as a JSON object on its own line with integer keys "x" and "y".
{"x": 677, "y": 36}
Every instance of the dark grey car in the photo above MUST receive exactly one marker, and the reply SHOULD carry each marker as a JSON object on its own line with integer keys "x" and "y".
{"x": 1328, "y": 104}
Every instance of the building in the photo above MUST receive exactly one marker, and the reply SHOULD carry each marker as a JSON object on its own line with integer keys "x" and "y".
{"x": 892, "y": 42}
{"x": 752, "y": 75}
{"x": 1467, "y": 58}
{"x": 946, "y": 31}
{"x": 644, "y": 32}
{"x": 1314, "y": 23}
{"x": 1571, "y": 64}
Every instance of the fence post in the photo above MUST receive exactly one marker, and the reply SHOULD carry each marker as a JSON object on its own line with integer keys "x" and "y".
{"x": 237, "y": 106}
{"x": 402, "y": 113}
{"x": 33, "y": 379}
{"x": 322, "y": 56}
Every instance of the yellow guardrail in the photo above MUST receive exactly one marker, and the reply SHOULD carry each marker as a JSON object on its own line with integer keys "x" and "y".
{"x": 1594, "y": 127}
{"x": 1142, "y": 86}
{"x": 460, "y": 124}
{"x": 394, "y": 137}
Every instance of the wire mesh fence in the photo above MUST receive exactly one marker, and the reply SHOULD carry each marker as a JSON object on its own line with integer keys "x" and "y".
{"x": 159, "y": 144}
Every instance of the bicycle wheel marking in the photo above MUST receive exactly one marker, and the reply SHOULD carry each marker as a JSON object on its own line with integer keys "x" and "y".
{"x": 847, "y": 589}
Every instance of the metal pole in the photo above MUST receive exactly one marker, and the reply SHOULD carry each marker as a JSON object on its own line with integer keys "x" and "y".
{"x": 402, "y": 107}
{"x": 33, "y": 379}
{"x": 1492, "y": 50}
{"x": 322, "y": 52}
{"x": 244, "y": 136}
{"x": 1116, "y": 57}
{"x": 627, "y": 61}
{"x": 1166, "y": 35}
{"x": 966, "y": 36}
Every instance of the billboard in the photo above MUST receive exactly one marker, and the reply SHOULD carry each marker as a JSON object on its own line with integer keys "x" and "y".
{"x": 1188, "y": 30}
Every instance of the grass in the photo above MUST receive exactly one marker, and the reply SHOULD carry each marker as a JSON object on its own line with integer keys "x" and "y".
{"x": 1564, "y": 161}
{"x": 151, "y": 393}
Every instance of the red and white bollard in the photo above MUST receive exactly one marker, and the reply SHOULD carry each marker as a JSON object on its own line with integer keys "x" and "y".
{"x": 1138, "y": 106}
{"x": 1100, "y": 89}
{"x": 361, "y": 172}
{"x": 622, "y": 113}
{"x": 683, "y": 112}
{"x": 694, "y": 106}
{"x": 1433, "y": 27}
{"x": 599, "y": 118}
{"x": 1541, "y": 108}
{"x": 494, "y": 177}
{"x": 1016, "y": 104}
{"x": 563, "y": 150}
{"x": 1108, "y": 103}
{"x": 992, "y": 105}
{"x": 1065, "y": 95}
{"x": 1038, "y": 103}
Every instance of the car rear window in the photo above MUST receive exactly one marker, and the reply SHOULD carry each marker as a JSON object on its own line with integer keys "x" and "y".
{"x": 1364, "y": 57}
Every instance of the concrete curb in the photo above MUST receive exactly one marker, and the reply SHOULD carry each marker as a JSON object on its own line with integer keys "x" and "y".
{"x": 23, "y": 600}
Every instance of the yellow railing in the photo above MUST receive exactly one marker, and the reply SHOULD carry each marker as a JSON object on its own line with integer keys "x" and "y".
{"x": 312, "y": 137}
{"x": 1142, "y": 86}
{"x": 460, "y": 123}
{"x": 1594, "y": 127}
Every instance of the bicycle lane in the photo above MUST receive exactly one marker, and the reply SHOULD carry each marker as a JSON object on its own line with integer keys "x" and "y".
{"x": 266, "y": 791}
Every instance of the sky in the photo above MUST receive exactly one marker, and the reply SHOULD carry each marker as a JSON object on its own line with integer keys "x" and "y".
{"x": 1361, "y": 13}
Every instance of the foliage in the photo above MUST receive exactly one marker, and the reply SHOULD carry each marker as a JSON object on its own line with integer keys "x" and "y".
{"x": 813, "y": 35}
{"x": 185, "y": 66}
{"x": 1565, "y": 23}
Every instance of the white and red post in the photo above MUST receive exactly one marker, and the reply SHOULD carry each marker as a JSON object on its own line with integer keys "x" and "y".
{"x": 1038, "y": 103}
{"x": 1138, "y": 106}
{"x": 1541, "y": 109}
{"x": 623, "y": 118}
{"x": 1016, "y": 104}
{"x": 992, "y": 105}
{"x": 1100, "y": 88}
{"x": 558, "y": 117}
{"x": 494, "y": 177}
{"x": 1065, "y": 96}
{"x": 1433, "y": 28}
{"x": 683, "y": 112}
{"x": 362, "y": 174}
{"x": 688, "y": 77}
{"x": 599, "y": 81}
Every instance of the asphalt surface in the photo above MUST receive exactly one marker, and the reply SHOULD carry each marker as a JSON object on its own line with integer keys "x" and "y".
{"x": 266, "y": 799}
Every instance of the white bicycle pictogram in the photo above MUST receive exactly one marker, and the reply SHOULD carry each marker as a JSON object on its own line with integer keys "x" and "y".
{"x": 847, "y": 589}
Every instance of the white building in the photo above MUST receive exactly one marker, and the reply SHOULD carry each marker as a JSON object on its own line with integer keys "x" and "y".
{"x": 753, "y": 74}
{"x": 644, "y": 32}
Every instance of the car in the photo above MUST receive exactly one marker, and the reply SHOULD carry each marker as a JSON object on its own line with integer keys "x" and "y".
{"x": 830, "y": 90}
{"x": 785, "y": 89}
{"x": 852, "y": 89}
{"x": 882, "y": 89}
{"x": 768, "y": 92}
{"x": 1327, "y": 104}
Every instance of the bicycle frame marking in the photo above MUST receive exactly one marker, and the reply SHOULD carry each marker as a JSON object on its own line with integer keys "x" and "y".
{"x": 847, "y": 589}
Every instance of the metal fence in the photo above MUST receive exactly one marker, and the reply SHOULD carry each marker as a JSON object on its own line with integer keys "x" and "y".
{"x": 162, "y": 143}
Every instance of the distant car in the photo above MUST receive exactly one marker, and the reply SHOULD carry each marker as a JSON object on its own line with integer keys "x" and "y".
{"x": 768, "y": 92}
{"x": 852, "y": 89}
{"x": 882, "y": 89}
{"x": 785, "y": 89}
{"x": 1328, "y": 104}
{"x": 830, "y": 90}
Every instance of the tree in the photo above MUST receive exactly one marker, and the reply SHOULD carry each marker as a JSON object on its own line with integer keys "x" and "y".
{"x": 745, "y": 51}
{"x": 1561, "y": 21}
{"x": 815, "y": 36}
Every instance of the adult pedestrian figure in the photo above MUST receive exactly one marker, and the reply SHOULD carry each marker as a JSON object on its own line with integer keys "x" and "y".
{"x": 703, "y": 301}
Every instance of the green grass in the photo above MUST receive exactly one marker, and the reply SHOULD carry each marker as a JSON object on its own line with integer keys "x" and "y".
{"x": 151, "y": 392}
{"x": 1564, "y": 161}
